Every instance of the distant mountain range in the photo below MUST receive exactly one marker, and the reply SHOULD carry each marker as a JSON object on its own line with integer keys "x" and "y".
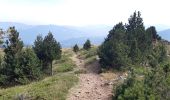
{"x": 68, "y": 35}
{"x": 165, "y": 34}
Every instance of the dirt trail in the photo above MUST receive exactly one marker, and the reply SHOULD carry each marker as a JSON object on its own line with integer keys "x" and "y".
{"x": 92, "y": 86}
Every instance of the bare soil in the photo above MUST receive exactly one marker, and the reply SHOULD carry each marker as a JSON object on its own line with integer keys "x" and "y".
{"x": 92, "y": 85}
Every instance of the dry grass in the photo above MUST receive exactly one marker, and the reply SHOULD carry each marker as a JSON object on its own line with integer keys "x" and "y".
{"x": 55, "y": 87}
{"x": 109, "y": 75}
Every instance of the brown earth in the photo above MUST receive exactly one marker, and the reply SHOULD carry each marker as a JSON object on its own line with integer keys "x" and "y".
{"x": 92, "y": 85}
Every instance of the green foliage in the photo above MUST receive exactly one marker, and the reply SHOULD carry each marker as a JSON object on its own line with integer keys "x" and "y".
{"x": 51, "y": 88}
{"x": 19, "y": 65}
{"x": 52, "y": 48}
{"x": 130, "y": 90}
{"x": 87, "y": 45}
{"x": 88, "y": 53}
{"x": 152, "y": 31}
{"x": 154, "y": 86}
{"x": 29, "y": 64}
{"x": 158, "y": 55}
{"x": 131, "y": 44}
{"x": 114, "y": 52}
{"x": 64, "y": 68}
{"x": 55, "y": 87}
{"x": 47, "y": 50}
{"x": 90, "y": 60}
{"x": 80, "y": 71}
{"x": 1, "y": 36}
{"x": 76, "y": 48}
{"x": 39, "y": 47}
{"x": 12, "y": 50}
{"x": 64, "y": 64}
{"x": 89, "y": 56}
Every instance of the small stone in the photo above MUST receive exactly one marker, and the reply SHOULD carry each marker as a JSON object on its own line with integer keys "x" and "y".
{"x": 87, "y": 92}
{"x": 76, "y": 95}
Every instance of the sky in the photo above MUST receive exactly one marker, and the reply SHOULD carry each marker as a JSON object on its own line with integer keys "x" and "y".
{"x": 83, "y": 12}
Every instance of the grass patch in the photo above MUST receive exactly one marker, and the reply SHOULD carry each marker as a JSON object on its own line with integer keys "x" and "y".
{"x": 88, "y": 53}
{"x": 55, "y": 87}
{"x": 64, "y": 68}
{"x": 80, "y": 71}
{"x": 140, "y": 70}
{"x": 65, "y": 64}
{"x": 90, "y": 60}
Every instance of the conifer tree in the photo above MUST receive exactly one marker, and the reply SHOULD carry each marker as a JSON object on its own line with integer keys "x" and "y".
{"x": 133, "y": 41}
{"x": 87, "y": 45}
{"x": 29, "y": 64}
{"x": 39, "y": 49}
{"x": 12, "y": 50}
{"x": 47, "y": 50}
{"x": 75, "y": 48}
{"x": 52, "y": 50}
{"x": 114, "y": 52}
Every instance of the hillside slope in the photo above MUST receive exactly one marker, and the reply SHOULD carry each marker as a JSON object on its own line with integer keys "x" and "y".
{"x": 50, "y": 88}
{"x": 165, "y": 34}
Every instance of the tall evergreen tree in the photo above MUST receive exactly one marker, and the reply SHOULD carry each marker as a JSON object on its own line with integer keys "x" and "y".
{"x": 12, "y": 51}
{"x": 114, "y": 52}
{"x": 39, "y": 48}
{"x": 131, "y": 39}
{"x": 76, "y": 48}
{"x": 151, "y": 31}
{"x": 52, "y": 50}
{"x": 87, "y": 45}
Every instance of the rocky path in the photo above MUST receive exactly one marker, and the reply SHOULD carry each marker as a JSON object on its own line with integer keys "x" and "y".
{"x": 91, "y": 86}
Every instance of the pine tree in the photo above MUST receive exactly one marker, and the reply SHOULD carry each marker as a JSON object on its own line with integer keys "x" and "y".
{"x": 52, "y": 50}
{"x": 12, "y": 50}
{"x": 29, "y": 64}
{"x": 113, "y": 53}
{"x": 39, "y": 49}
{"x": 47, "y": 50}
{"x": 75, "y": 48}
{"x": 87, "y": 45}
{"x": 151, "y": 31}
{"x": 133, "y": 41}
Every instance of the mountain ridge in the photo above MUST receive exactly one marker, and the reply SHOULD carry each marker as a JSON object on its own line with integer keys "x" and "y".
{"x": 68, "y": 35}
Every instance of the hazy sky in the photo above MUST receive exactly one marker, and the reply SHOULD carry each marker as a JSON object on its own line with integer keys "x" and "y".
{"x": 83, "y": 12}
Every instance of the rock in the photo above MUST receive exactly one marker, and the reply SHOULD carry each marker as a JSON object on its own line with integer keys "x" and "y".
{"x": 111, "y": 83}
{"x": 87, "y": 92}
{"x": 107, "y": 83}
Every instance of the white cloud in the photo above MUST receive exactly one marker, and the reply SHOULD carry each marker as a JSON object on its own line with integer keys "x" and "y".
{"x": 84, "y": 12}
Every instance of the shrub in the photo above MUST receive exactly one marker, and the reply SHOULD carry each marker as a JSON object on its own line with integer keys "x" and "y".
{"x": 29, "y": 64}
{"x": 113, "y": 55}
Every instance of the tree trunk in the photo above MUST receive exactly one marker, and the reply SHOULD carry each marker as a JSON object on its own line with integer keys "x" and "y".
{"x": 51, "y": 68}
